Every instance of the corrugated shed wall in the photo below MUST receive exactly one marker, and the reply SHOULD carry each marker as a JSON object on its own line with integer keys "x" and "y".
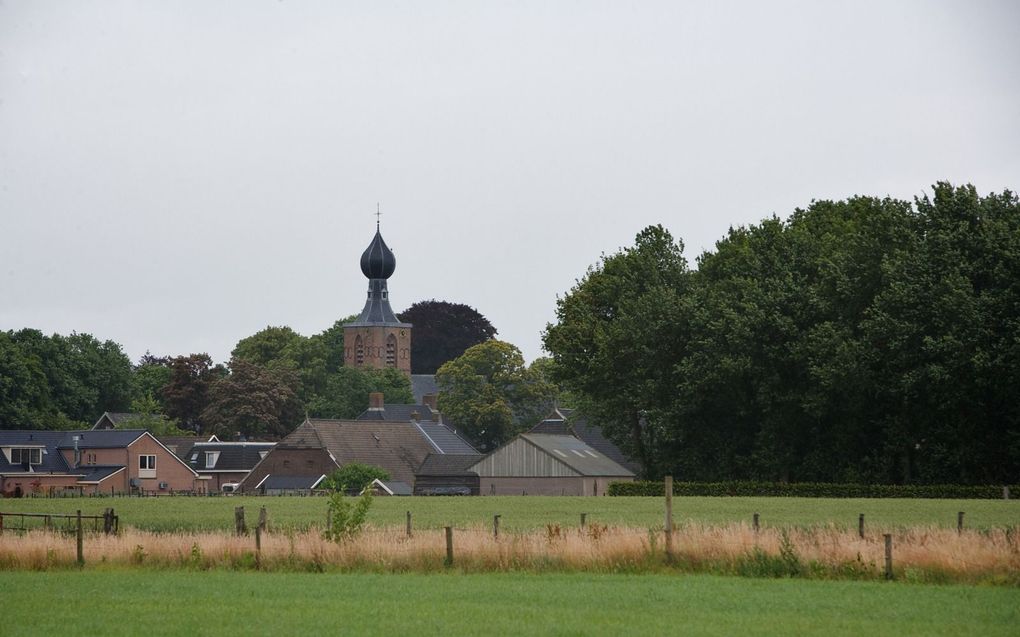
{"x": 520, "y": 458}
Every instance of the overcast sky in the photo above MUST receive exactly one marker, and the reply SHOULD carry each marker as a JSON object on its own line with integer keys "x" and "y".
{"x": 176, "y": 176}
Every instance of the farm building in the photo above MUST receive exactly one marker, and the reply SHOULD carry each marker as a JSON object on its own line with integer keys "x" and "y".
{"x": 547, "y": 464}
{"x": 571, "y": 422}
{"x": 320, "y": 446}
{"x": 447, "y": 474}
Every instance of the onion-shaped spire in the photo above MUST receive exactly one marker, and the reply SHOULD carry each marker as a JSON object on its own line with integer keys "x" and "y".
{"x": 377, "y": 261}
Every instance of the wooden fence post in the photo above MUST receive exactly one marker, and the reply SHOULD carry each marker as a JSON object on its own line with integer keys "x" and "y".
{"x": 755, "y": 523}
{"x": 668, "y": 526}
{"x": 258, "y": 546}
{"x": 239, "y": 527}
{"x": 79, "y": 539}
{"x": 449, "y": 546}
{"x": 959, "y": 522}
{"x": 408, "y": 524}
{"x": 860, "y": 525}
{"x": 263, "y": 519}
{"x": 888, "y": 556}
{"x": 495, "y": 526}
{"x": 584, "y": 518}
{"x": 1005, "y": 493}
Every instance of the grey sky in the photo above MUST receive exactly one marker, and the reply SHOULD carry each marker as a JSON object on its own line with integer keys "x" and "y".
{"x": 177, "y": 175}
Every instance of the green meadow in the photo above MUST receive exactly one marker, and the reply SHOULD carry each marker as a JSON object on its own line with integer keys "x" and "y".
{"x": 531, "y": 512}
{"x": 202, "y": 603}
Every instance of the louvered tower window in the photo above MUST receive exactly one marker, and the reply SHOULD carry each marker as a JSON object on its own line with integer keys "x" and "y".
{"x": 359, "y": 351}
{"x": 391, "y": 351}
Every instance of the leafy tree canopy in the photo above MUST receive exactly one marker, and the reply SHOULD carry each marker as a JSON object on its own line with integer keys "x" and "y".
{"x": 868, "y": 340}
{"x": 347, "y": 390}
{"x": 490, "y": 395}
{"x": 354, "y": 476}
{"x": 442, "y": 332}
{"x": 254, "y": 401}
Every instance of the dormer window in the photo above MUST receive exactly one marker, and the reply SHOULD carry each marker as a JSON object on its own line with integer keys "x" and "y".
{"x": 210, "y": 459}
{"x": 26, "y": 456}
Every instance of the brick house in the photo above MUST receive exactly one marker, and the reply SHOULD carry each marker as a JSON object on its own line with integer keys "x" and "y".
{"x": 91, "y": 461}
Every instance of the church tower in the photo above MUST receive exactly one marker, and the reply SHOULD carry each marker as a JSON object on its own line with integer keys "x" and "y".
{"x": 377, "y": 338}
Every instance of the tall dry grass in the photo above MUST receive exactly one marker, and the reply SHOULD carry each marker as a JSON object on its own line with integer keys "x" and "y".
{"x": 922, "y": 553}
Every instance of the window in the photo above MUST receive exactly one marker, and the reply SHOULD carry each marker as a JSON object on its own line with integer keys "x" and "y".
{"x": 359, "y": 351}
{"x": 147, "y": 466}
{"x": 26, "y": 456}
{"x": 210, "y": 459}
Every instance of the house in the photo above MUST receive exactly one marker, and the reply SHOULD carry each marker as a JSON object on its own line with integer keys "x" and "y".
{"x": 447, "y": 474}
{"x": 225, "y": 462}
{"x": 320, "y": 446}
{"x": 91, "y": 461}
{"x": 571, "y": 422}
{"x": 547, "y": 464}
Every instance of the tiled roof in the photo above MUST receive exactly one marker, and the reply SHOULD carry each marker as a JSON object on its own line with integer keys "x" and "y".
{"x": 233, "y": 456}
{"x": 397, "y": 447}
{"x": 444, "y": 438}
{"x": 98, "y": 473}
{"x": 52, "y": 460}
{"x": 395, "y": 487}
{"x": 577, "y": 455}
{"x": 439, "y": 464}
{"x": 101, "y": 438}
{"x": 398, "y": 412}
{"x": 180, "y": 445}
{"x": 567, "y": 422}
{"x": 423, "y": 385}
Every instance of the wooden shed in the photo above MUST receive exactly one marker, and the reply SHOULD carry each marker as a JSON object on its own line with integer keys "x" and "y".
{"x": 545, "y": 464}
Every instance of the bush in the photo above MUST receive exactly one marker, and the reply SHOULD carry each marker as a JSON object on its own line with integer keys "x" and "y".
{"x": 346, "y": 518}
{"x": 354, "y": 477}
{"x": 813, "y": 490}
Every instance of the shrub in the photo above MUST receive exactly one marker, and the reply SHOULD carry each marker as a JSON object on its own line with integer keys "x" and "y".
{"x": 354, "y": 477}
{"x": 813, "y": 490}
{"x": 347, "y": 517}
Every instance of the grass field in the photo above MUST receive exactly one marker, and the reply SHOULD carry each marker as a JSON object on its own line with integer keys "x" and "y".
{"x": 531, "y": 512}
{"x": 169, "y": 603}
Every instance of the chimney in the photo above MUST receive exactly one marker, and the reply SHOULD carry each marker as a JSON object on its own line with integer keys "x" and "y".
{"x": 415, "y": 416}
{"x": 429, "y": 400}
{"x": 375, "y": 401}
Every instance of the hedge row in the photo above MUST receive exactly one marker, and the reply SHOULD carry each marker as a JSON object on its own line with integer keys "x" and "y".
{"x": 816, "y": 490}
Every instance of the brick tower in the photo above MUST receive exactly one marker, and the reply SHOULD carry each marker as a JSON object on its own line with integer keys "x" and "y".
{"x": 377, "y": 338}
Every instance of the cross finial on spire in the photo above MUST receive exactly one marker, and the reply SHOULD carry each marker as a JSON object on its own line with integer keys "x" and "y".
{"x": 377, "y": 215}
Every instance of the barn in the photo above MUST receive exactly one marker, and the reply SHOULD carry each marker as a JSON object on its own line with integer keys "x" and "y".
{"x": 547, "y": 464}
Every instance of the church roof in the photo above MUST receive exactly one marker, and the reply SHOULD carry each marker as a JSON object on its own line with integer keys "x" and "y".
{"x": 377, "y": 263}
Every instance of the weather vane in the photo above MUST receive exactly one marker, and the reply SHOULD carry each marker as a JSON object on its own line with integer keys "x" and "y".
{"x": 377, "y": 215}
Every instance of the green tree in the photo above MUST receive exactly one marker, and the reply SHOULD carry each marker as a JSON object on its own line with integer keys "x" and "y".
{"x": 282, "y": 347}
{"x": 186, "y": 394}
{"x": 490, "y": 395}
{"x": 147, "y": 416}
{"x": 615, "y": 343}
{"x": 442, "y": 332}
{"x": 347, "y": 390}
{"x": 254, "y": 401}
{"x": 354, "y": 476}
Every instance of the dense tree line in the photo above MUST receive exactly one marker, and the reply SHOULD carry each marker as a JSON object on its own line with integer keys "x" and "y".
{"x": 273, "y": 379}
{"x": 869, "y": 340}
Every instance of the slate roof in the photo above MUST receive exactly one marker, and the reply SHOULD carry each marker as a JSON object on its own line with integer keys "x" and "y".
{"x": 568, "y": 422}
{"x": 423, "y": 385}
{"x": 101, "y": 438}
{"x": 289, "y": 483}
{"x": 440, "y": 464}
{"x": 233, "y": 456}
{"x": 394, "y": 487}
{"x": 180, "y": 445}
{"x": 445, "y": 439}
{"x": 98, "y": 473}
{"x": 52, "y": 460}
{"x": 577, "y": 455}
{"x": 397, "y": 447}
{"x": 398, "y": 412}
